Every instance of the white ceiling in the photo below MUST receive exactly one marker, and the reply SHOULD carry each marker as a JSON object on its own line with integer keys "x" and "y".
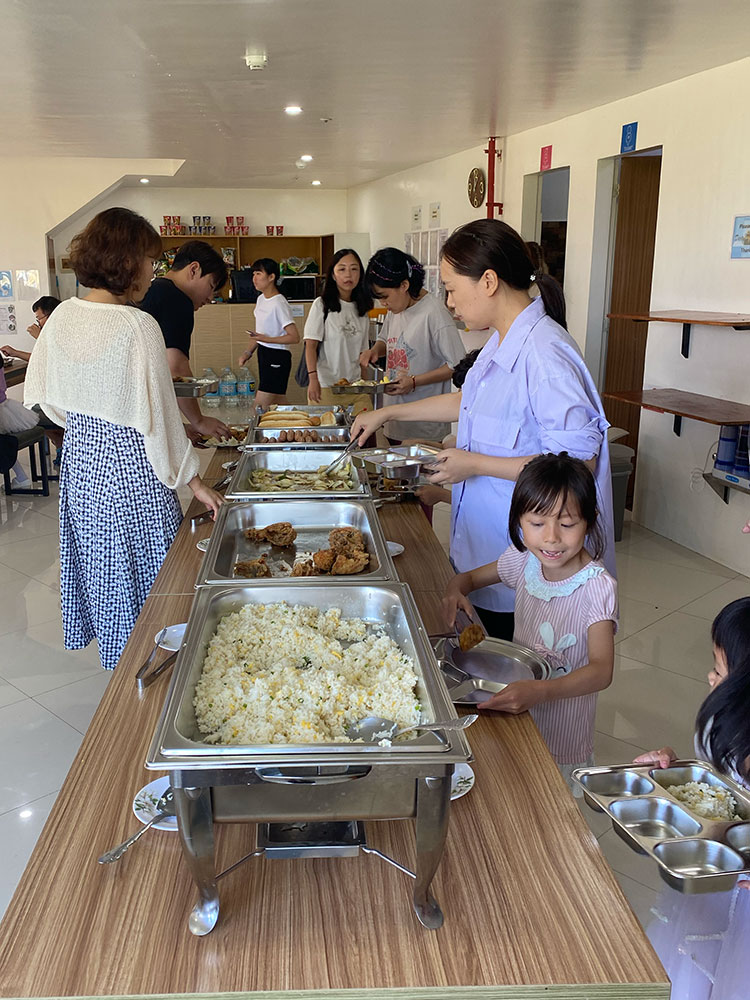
{"x": 405, "y": 81}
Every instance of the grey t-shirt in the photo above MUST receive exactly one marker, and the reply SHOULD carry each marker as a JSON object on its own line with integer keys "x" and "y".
{"x": 418, "y": 340}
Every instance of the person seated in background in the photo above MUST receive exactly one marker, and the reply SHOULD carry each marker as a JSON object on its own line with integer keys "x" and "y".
{"x": 196, "y": 275}
{"x": 42, "y": 310}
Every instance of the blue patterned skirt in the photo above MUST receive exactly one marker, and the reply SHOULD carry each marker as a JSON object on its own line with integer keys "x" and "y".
{"x": 117, "y": 522}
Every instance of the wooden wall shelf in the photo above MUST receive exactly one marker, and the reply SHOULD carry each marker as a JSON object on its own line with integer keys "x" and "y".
{"x": 687, "y": 317}
{"x": 707, "y": 409}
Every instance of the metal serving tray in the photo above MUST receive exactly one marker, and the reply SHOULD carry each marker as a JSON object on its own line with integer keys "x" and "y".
{"x": 312, "y": 519}
{"x": 177, "y": 742}
{"x": 195, "y": 386}
{"x": 297, "y": 460}
{"x": 272, "y": 434}
{"x": 694, "y": 854}
{"x": 475, "y": 675}
{"x": 375, "y": 389}
{"x": 343, "y": 417}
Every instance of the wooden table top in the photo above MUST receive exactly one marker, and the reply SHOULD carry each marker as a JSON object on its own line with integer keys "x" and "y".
{"x": 531, "y": 907}
{"x": 15, "y": 373}
{"x": 707, "y": 409}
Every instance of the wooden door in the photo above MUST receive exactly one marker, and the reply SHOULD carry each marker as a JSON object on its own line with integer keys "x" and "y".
{"x": 631, "y": 288}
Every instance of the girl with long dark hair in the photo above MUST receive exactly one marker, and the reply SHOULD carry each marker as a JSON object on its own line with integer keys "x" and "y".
{"x": 528, "y": 392}
{"x": 336, "y": 331}
{"x": 419, "y": 341}
{"x": 566, "y": 603}
{"x": 702, "y": 940}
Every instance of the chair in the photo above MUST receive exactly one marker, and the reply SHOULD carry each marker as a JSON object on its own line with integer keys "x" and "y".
{"x": 32, "y": 439}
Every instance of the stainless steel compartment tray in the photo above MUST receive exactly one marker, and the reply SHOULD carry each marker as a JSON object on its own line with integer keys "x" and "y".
{"x": 694, "y": 854}
{"x": 475, "y": 675}
{"x": 374, "y": 389}
{"x": 196, "y": 387}
{"x": 254, "y": 435}
{"x": 312, "y": 519}
{"x": 177, "y": 743}
{"x": 299, "y": 460}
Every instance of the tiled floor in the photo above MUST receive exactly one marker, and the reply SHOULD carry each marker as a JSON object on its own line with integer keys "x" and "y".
{"x": 48, "y": 695}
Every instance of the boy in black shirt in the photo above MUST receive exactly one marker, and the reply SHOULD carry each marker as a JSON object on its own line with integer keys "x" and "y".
{"x": 197, "y": 273}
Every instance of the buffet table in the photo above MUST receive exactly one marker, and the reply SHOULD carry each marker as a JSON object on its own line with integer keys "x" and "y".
{"x": 531, "y": 907}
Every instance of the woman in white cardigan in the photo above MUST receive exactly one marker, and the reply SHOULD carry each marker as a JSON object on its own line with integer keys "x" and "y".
{"x": 100, "y": 370}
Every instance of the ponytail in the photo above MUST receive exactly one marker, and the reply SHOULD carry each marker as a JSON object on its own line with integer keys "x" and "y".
{"x": 553, "y": 298}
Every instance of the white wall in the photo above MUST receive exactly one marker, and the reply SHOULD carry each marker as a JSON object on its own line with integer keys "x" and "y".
{"x": 301, "y": 213}
{"x": 36, "y": 194}
{"x": 383, "y": 207}
{"x": 703, "y": 125}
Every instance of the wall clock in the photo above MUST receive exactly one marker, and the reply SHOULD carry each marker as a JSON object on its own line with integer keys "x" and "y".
{"x": 477, "y": 187}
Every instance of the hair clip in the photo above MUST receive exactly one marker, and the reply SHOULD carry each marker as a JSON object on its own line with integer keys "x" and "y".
{"x": 532, "y": 277}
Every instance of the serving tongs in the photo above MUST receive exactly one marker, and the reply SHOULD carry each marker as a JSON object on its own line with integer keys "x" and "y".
{"x": 143, "y": 678}
{"x": 340, "y": 459}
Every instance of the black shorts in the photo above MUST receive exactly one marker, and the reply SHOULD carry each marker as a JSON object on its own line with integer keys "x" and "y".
{"x": 274, "y": 366}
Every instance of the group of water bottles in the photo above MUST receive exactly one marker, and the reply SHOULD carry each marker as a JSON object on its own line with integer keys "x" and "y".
{"x": 234, "y": 390}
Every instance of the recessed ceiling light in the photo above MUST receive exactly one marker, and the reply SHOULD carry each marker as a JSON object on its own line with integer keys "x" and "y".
{"x": 306, "y": 158}
{"x": 293, "y": 109}
{"x": 316, "y": 183}
{"x": 145, "y": 180}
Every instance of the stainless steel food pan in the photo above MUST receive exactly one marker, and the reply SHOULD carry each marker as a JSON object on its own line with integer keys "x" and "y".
{"x": 255, "y": 436}
{"x": 374, "y": 389}
{"x": 298, "y": 460}
{"x": 343, "y": 417}
{"x": 312, "y": 519}
{"x": 178, "y": 744}
{"x": 694, "y": 854}
{"x": 195, "y": 386}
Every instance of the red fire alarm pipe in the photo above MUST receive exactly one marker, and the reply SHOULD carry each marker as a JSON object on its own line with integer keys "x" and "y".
{"x": 493, "y": 154}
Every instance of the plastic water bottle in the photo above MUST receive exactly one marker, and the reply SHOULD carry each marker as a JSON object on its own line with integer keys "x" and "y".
{"x": 211, "y": 398}
{"x": 228, "y": 387}
{"x": 243, "y": 387}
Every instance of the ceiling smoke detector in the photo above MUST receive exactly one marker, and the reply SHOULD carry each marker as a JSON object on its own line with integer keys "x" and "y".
{"x": 255, "y": 59}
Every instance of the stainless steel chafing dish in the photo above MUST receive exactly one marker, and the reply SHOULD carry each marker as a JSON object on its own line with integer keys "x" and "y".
{"x": 330, "y": 783}
{"x": 312, "y": 519}
{"x": 343, "y": 417}
{"x": 278, "y": 460}
{"x": 338, "y": 438}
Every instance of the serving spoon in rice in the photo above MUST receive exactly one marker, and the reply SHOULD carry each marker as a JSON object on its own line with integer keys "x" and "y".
{"x": 373, "y": 729}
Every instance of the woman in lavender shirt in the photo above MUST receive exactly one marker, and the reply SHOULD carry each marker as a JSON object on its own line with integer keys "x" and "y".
{"x": 529, "y": 392}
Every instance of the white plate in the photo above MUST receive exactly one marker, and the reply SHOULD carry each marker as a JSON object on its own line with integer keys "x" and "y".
{"x": 395, "y": 548}
{"x": 202, "y": 545}
{"x": 172, "y": 637}
{"x": 462, "y": 781}
{"x": 144, "y": 804}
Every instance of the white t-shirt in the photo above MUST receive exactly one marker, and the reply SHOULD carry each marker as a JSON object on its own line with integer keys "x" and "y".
{"x": 271, "y": 316}
{"x": 342, "y": 338}
{"x": 418, "y": 340}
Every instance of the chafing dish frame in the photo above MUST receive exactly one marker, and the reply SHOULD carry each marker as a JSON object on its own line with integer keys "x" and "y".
{"x": 315, "y": 781}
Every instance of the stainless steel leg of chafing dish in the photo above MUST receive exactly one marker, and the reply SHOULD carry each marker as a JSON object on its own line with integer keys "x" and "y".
{"x": 196, "y": 824}
{"x": 433, "y": 808}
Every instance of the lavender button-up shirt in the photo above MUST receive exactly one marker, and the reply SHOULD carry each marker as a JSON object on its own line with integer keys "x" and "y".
{"x": 530, "y": 394}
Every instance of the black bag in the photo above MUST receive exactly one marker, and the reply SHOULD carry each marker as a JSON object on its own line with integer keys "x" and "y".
{"x": 8, "y": 452}
{"x": 301, "y": 376}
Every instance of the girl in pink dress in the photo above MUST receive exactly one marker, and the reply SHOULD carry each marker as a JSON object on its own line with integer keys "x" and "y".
{"x": 566, "y": 603}
{"x": 702, "y": 940}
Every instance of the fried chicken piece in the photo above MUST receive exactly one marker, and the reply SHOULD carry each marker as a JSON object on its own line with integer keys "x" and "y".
{"x": 346, "y": 541}
{"x": 281, "y": 534}
{"x": 323, "y": 560}
{"x": 346, "y": 565}
{"x": 252, "y": 569}
{"x": 343, "y": 381}
{"x": 304, "y": 567}
{"x": 471, "y": 636}
{"x": 255, "y": 534}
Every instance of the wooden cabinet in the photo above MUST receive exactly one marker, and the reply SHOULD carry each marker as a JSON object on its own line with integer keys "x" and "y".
{"x": 250, "y": 248}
